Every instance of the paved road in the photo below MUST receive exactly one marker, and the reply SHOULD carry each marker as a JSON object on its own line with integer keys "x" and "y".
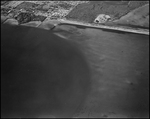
{"x": 119, "y": 65}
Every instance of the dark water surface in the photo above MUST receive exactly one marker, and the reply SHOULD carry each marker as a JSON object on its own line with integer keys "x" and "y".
{"x": 43, "y": 75}
{"x": 120, "y": 72}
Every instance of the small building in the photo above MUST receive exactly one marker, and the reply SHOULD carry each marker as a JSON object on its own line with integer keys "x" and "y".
{"x": 102, "y": 18}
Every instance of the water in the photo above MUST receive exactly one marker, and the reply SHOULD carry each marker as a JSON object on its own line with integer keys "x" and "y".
{"x": 43, "y": 75}
{"x": 120, "y": 71}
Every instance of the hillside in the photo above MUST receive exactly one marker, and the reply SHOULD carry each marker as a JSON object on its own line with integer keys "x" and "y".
{"x": 26, "y": 11}
{"x": 138, "y": 17}
{"x": 133, "y": 14}
{"x": 87, "y": 12}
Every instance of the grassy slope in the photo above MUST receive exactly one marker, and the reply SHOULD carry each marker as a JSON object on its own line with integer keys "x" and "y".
{"x": 124, "y": 13}
{"x": 87, "y": 12}
{"x": 139, "y": 16}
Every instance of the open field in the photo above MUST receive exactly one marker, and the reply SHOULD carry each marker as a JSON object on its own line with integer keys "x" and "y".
{"x": 138, "y": 17}
{"x": 125, "y": 13}
{"x": 87, "y": 12}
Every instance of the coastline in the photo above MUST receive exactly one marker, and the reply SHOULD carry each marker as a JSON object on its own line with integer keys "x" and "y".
{"x": 121, "y": 28}
{"x": 71, "y": 22}
{"x": 106, "y": 26}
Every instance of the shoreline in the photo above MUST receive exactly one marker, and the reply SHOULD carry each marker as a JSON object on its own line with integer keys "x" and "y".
{"x": 138, "y": 31}
{"x": 77, "y": 23}
{"x": 112, "y": 26}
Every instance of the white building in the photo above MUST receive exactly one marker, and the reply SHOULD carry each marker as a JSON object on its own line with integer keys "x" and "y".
{"x": 102, "y": 18}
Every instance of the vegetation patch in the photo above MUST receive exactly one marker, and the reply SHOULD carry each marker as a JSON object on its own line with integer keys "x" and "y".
{"x": 27, "y": 17}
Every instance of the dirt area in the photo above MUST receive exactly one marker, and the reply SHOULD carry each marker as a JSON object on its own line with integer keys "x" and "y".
{"x": 40, "y": 9}
{"x": 124, "y": 13}
{"x": 87, "y": 12}
{"x": 138, "y": 17}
